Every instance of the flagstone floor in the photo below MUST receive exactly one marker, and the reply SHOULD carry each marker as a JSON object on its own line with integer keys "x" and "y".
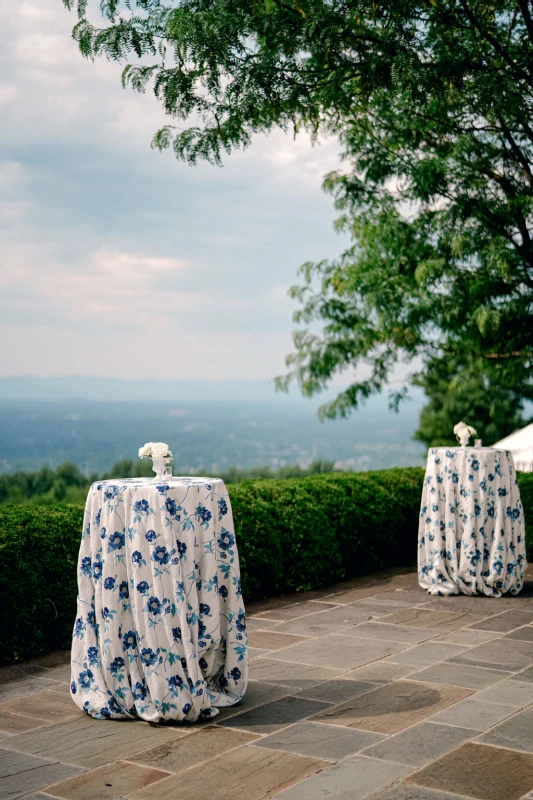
{"x": 369, "y": 689}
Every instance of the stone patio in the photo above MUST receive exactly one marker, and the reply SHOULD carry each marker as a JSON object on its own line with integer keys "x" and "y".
{"x": 370, "y": 688}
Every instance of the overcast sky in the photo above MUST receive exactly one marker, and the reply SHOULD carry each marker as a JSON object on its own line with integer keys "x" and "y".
{"x": 117, "y": 260}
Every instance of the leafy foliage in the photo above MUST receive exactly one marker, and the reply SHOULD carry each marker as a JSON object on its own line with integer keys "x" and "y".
{"x": 432, "y": 102}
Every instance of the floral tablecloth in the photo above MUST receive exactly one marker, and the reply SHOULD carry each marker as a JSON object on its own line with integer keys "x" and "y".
{"x": 471, "y": 534}
{"x": 160, "y": 631}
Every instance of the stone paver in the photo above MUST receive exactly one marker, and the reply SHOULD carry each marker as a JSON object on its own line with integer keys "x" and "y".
{"x": 254, "y": 773}
{"x": 394, "y": 707}
{"x": 459, "y": 675}
{"x": 379, "y": 672}
{"x": 21, "y": 773}
{"x": 510, "y": 693}
{"x": 107, "y": 783}
{"x": 342, "y": 652}
{"x": 289, "y": 674}
{"x": 474, "y": 714}
{"x": 296, "y": 610}
{"x": 367, "y": 689}
{"x": 337, "y": 691}
{"x": 89, "y": 742}
{"x": 47, "y": 706}
{"x": 507, "y": 621}
{"x": 427, "y": 653}
{"x": 420, "y": 744}
{"x": 14, "y": 723}
{"x": 272, "y": 716}
{"x": 433, "y": 620}
{"x": 258, "y": 692}
{"x": 325, "y": 622}
{"x": 479, "y": 771}
{"x": 322, "y": 741}
{"x": 271, "y": 640}
{"x": 385, "y": 631}
{"x": 202, "y": 745}
{"x": 405, "y": 792}
{"x": 354, "y": 779}
{"x": 506, "y": 655}
{"x": 515, "y": 733}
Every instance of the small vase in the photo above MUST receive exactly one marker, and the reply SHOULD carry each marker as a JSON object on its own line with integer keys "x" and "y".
{"x": 162, "y": 467}
{"x": 464, "y": 439}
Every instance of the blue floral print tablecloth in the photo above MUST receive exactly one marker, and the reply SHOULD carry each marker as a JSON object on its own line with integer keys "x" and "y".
{"x": 160, "y": 630}
{"x": 471, "y": 534}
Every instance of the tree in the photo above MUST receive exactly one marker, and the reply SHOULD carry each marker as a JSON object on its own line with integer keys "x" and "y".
{"x": 432, "y": 102}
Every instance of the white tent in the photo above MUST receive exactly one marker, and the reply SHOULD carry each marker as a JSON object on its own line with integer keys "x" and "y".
{"x": 520, "y": 443}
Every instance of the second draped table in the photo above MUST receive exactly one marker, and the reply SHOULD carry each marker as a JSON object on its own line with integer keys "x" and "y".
{"x": 471, "y": 535}
{"x": 160, "y": 630}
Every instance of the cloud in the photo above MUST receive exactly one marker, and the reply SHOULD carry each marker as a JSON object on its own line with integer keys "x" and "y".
{"x": 103, "y": 238}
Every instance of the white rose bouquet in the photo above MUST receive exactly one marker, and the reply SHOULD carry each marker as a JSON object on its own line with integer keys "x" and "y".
{"x": 464, "y": 432}
{"x": 155, "y": 450}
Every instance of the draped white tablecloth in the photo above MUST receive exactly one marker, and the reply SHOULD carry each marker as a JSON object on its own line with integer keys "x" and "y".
{"x": 160, "y": 630}
{"x": 471, "y": 534}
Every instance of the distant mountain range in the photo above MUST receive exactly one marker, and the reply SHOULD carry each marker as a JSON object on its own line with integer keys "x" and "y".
{"x": 94, "y": 422}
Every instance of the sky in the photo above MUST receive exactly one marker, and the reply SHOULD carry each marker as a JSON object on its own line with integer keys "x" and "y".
{"x": 117, "y": 260}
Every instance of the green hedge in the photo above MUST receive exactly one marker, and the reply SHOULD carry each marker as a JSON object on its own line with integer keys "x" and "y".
{"x": 293, "y": 535}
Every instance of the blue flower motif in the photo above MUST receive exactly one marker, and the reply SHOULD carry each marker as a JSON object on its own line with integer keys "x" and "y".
{"x": 241, "y": 621}
{"x": 85, "y": 679}
{"x": 103, "y": 532}
{"x": 91, "y": 619}
{"x": 203, "y": 514}
{"x": 109, "y": 583}
{"x": 171, "y": 506}
{"x": 502, "y": 492}
{"x": 143, "y": 587}
{"x": 222, "y": 507}
{"x": 97, "y": 569}
{"x": 141, "y": 506}
{"x": 116, "y": 541}
{"x": 164, "y": 487}
{"x": 182, "y": 548}
{"x": 154, "y": 605}
{"x": 139, "y": 691}
{"x": 175, "y": 684}
{"x": 475, "y": 464}
{"x": 110, "y": 492}
{"x": 117, "y": 665}
{"x": 186, "y": 708}
{"x": 129, "y": 640}
{"x": 148, "y": 657}
{"x": 73, "y": 688}
{"x": 106, "y": 613}
{"x": 92, "y": 655}
{"x": 226, "y": 540}
{"x": 105, "y": 712}
{"x": 79, "y": 628}
{"x": 150, "y": 536}
{"x": 235, "y": 674}
{"x": 161, "y": 555}
{"x": 123, "y": 590}
{"x": 86, "y": 566}
{"x": 223, "y": 592}
{"x": 176, "y": 633}
{"x": 203, "y": 664}
{"x": 137, "y": 557}
{"x": 205, "y": 609}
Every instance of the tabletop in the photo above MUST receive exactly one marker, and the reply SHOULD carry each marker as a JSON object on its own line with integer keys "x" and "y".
{"x": 471, "y": 530}
{"x": 160, "y": 631}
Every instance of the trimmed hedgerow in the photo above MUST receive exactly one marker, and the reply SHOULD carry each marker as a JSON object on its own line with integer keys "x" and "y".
{"x": 293, "y": 535}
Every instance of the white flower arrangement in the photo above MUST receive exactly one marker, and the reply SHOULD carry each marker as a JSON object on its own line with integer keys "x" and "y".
{"x": 464, "y": 432}
{"x": 155, "y": 450}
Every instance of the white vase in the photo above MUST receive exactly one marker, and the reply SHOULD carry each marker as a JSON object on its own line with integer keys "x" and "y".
{"x": 162, "y": 467}
{"x": 463, "y": 439}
